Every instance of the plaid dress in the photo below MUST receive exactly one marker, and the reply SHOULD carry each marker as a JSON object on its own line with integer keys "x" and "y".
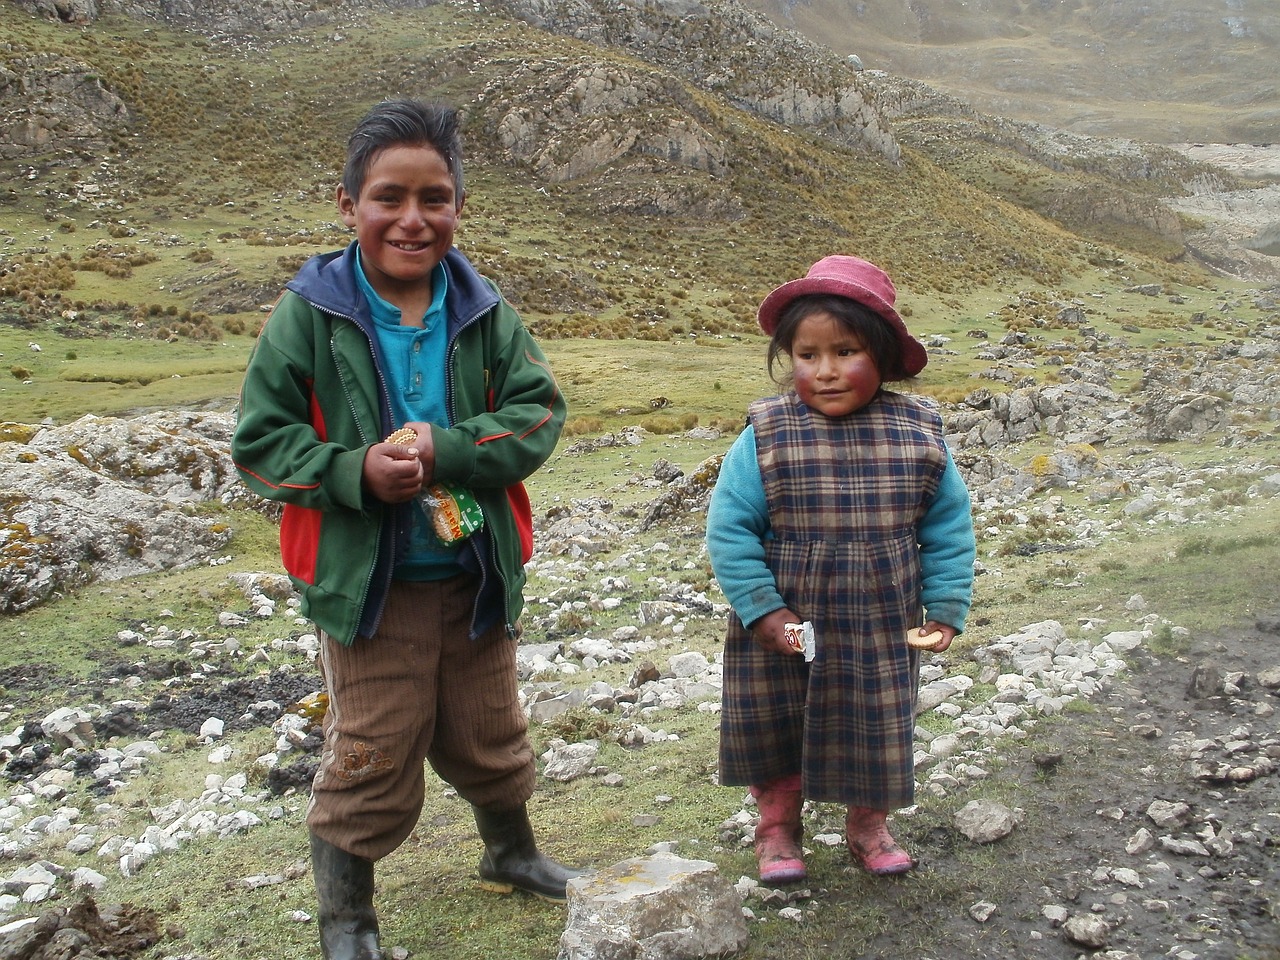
{"x": 844, "y": 497}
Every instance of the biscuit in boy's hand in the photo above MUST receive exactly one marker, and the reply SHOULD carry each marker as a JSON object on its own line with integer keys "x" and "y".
{"x": 403, "y": 436}
{"x": 455, "y": 513}
{"x": 927, "y": 642}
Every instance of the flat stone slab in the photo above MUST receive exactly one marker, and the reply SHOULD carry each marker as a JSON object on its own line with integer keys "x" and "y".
{"x": 660, "y": 907}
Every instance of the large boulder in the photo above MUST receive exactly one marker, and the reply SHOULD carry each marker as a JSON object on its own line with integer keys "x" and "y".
{"x": 109, "y": 498}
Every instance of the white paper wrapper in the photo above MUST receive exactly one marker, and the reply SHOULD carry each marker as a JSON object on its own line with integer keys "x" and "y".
{"x": 800, "y": 638}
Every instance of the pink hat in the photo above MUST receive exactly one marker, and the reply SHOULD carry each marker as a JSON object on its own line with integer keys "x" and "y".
{"x": 858, "y": 280}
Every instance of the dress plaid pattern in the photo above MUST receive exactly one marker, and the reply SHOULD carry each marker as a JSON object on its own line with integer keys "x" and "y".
{"x": 844, "y": 497}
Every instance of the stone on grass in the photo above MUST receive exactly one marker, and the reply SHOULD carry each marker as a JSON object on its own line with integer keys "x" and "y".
{"x": 661, "y": 907}
{"x": 985, "y": 821}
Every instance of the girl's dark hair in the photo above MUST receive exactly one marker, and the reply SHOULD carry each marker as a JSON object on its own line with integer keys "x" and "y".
{"x": 867, "y": 325}
{"x": 395, "y": 123}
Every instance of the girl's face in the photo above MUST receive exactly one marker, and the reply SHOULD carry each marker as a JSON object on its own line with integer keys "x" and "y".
{"x": 833, "y": 372}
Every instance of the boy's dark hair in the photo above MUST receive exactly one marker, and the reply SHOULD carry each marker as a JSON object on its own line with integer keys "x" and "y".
{"x": 867, "y": 325}
{"x": 403, "y": 122}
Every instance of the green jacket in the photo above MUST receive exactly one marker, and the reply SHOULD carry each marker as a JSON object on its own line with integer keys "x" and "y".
{"x": 314, "y": 399}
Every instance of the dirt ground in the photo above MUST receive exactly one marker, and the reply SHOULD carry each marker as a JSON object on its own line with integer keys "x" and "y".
{"x": 1089, "y": 794}
{"x": 1085, "y": 790}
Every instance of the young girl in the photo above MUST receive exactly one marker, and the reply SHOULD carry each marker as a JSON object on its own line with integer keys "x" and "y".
{"x": 838, "y": 505}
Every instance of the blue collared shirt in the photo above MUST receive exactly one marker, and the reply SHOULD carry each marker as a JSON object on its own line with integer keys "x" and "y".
{"x": 415, "y": 371}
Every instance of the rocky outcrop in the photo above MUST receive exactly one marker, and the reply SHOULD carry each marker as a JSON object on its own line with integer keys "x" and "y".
{"x": 570, "y": 119}
{"x": 109, "y": 498}
{"x": 226, "y": 16}
{"x": 49, "y": 101}
{"x": 726, "y": 49}
{"x": 1236, "y": 230}
{"x": 1081, "y": 204}
{"x": 68, "y": 11}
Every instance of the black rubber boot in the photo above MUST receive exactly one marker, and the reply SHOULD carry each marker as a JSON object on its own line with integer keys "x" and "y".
{"x": 344, "y": 887}
{"x": 511, "y": 859}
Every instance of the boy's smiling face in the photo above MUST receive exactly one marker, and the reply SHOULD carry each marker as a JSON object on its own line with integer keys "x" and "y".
{"x": 404, "y": 218}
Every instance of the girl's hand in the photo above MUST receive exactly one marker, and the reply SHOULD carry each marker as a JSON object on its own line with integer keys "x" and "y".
{"x": 948, "y": 634}
{"x": 392, "y": 473}
{"x": 768, "y": 632}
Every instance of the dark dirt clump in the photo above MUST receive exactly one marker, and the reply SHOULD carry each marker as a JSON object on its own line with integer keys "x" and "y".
{"x": 295, "y": 776}
{"x": 29, "y": 677}
{"x": 242, "y": 704}
{"x": 84, "y": 930}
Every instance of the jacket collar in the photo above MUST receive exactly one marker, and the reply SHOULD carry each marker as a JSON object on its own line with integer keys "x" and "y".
{"x": 328, "y": 281}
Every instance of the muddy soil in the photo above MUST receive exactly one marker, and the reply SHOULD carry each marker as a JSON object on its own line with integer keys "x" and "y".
{"x": 1209, "y": 886}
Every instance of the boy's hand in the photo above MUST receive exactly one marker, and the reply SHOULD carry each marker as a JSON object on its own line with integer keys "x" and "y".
{"x": 768, "y": 632}
{"x": 392, "y": 473}
{"x": 426, "y": 447}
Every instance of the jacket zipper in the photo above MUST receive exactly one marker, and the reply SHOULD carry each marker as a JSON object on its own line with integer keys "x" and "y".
{"x": 451, "y": 349}
{"x": 383, "y": 394}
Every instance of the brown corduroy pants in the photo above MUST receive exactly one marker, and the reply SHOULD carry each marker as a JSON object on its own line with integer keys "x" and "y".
{"x": 420, "y": 689}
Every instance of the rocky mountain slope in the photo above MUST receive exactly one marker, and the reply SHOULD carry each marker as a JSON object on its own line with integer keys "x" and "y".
{"x": 636, "y": 110}
{"x": 1168, "y": 71}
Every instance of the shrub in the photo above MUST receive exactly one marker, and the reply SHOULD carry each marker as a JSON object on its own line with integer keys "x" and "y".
{"x": 662, "y": 425}
{"x": 577, "y": 426}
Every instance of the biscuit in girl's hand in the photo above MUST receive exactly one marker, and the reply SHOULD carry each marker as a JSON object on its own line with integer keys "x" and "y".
{"x": 927, "y": 642}
{"x": 404, "y": 436}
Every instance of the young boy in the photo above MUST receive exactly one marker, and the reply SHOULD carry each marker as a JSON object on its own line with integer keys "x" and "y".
{"x": 418, "y": 636}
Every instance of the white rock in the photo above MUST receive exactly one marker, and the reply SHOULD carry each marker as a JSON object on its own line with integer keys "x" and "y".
{"x": 212, "y": 729}
{"x": 87, "y": 877}
{"x": 985, "y": 821}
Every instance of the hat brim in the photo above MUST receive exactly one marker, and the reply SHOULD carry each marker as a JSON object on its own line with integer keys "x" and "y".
{"x": 914, "y": 355}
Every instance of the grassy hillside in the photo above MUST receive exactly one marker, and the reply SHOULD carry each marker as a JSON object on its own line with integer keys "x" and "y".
{"x": 1167, "y": 71}
{"x": 141, "y": 266}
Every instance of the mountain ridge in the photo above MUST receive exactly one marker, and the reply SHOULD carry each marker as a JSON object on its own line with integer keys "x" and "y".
{"x": 1168, "y": 71}
{"x": 670, "y": 155}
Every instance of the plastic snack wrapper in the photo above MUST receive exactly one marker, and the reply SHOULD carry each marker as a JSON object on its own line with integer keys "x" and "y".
{"x": 800, "y": 638}
{"x": 454, "y": 512}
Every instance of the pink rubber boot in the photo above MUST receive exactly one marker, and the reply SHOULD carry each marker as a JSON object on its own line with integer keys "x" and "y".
{"x": 871, "y": 844}
{"x": 779, "y": 831}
